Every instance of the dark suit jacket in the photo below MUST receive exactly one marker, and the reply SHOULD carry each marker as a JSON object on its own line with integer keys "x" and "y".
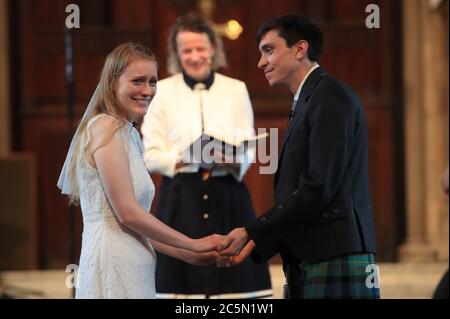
{"x": 322, "y": 197}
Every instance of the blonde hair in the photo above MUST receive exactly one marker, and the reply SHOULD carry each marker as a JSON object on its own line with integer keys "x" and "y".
{"x": 105, "y": 101}
{"x": 194, "y": 23}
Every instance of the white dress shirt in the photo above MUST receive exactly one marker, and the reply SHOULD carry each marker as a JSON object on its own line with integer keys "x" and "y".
{"x": 297, "y": 94}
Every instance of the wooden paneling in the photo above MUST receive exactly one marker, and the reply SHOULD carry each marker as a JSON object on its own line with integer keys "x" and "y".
{"x": 18, "y": 212}
{"x": 47, "y": 137}
{"x": 382, "y": 181}
{"x": 367, "y": 59}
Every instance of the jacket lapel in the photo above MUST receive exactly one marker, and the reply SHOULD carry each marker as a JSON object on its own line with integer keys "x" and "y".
{"x": 306, "y": 92}
{"x": 297, "y": 115}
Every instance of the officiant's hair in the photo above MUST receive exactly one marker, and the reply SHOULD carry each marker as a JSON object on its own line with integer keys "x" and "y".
{"x": 104, "y": 100}
{"x": 194, "y": 22}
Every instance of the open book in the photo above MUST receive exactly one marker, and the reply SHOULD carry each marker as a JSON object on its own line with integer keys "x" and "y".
{"x": 209, "y": 149}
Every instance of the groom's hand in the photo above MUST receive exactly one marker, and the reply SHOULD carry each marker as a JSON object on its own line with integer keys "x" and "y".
{"x": 232, "y": 261}
{"x": 233, "y": 243}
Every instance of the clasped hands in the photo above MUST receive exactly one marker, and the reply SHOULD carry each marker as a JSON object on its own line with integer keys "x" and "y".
{"x": 225, "y": 250}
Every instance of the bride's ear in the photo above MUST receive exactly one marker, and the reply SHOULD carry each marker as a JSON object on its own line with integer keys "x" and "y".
{"x": 114, "y": 87}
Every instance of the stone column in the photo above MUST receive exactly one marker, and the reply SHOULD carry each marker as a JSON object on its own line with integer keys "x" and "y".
{"x": 425, "y": 58}
{"x": 4, "y": 80}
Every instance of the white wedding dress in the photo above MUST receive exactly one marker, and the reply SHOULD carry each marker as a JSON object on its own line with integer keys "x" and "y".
{"x": 115, "y": 261}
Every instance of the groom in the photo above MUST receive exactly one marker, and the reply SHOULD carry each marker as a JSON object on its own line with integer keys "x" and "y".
{"x": 322, "y": 222}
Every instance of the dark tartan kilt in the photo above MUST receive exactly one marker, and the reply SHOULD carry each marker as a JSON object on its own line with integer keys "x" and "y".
{"x": 353, "y": 276}
{"x": 227, "y": 205}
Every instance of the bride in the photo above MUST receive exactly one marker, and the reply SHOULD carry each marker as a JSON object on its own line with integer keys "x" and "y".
{"x": 104, "y": 172}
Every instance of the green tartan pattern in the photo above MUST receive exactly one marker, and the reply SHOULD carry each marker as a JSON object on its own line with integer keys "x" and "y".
{"x": 343, "y": 277}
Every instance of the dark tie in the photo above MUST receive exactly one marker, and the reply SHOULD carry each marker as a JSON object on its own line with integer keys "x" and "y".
{"x": 292, "y": 111}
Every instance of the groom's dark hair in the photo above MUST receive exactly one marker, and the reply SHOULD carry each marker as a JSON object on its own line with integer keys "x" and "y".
{"x": 293, "y": 28}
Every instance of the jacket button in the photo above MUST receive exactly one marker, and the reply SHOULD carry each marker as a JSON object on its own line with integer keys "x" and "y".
{"x": 205, "y": 216}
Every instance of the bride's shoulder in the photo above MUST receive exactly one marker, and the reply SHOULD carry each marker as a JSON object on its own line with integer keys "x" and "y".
{"x": 102, "y": 124}
{"x": 102, "y": 129}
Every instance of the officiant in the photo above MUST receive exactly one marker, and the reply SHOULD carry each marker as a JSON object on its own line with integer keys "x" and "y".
{"x": 198, "y": 199}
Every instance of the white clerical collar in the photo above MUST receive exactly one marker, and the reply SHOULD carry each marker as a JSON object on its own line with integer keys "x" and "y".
{"x": 297, "y": 94}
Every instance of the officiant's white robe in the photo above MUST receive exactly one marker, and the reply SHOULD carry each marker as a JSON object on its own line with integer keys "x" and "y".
{"x": 174, "y": 121}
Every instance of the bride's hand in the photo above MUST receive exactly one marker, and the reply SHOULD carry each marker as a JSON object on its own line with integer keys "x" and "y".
{"x": 204, "y": 259}
{"x": 207, "y": 243}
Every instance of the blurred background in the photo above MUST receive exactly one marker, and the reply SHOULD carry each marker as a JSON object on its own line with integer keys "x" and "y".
{"x": 400, "y": 71}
